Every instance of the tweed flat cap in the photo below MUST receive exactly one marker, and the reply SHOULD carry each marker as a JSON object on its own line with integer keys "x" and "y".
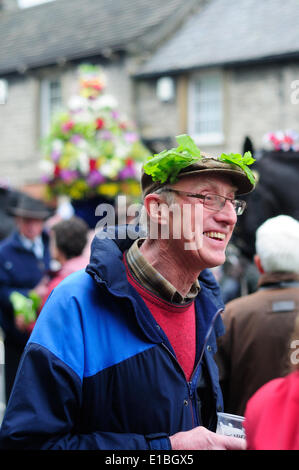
{"x": 207, "y": 165}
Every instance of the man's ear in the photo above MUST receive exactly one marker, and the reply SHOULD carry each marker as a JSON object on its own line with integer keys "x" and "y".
{"x": 258, "y": 264}
{"x": 156, "y": 208}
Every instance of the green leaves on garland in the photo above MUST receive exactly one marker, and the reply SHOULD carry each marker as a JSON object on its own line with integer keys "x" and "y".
{"x": 168, "y": 163}
{"x": 242, "y": 162}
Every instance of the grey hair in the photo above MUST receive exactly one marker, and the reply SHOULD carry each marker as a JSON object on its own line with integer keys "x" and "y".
{"x": 144, "y": 219}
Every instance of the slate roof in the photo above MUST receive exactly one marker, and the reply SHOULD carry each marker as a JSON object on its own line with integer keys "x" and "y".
{"x": 69, "y": 29}
{"x": 230, "y": 32}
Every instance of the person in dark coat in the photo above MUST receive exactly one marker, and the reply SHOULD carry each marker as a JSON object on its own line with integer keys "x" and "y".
{"x": 24, "y": 261}
{"x": 8, "y": 199}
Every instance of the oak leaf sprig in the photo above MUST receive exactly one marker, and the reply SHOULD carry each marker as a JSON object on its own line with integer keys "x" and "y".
{"x": 241, "y": 161}
{"x": 167, "y": 164}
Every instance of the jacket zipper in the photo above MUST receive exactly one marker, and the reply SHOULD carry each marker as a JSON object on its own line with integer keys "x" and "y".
{"x": 189, "y": 387}
{"x": 192, "y": 383}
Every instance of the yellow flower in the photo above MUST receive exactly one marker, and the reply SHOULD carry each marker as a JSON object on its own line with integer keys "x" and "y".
{"x": 78, "y": 189}
{"x": 100, "y": 161}
{"x": 134, "y": 189}
{"x": 108, "y": 189}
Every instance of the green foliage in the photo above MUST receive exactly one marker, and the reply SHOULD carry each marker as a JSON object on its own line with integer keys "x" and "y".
{"x": 26, "y": 306}
{"x": 168, "y": 163}
{"x": 241, "y": 161}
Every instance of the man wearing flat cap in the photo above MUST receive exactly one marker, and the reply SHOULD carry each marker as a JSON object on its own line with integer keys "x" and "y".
{"x": 24, "y": 260}
{"x": 121, "y": 356}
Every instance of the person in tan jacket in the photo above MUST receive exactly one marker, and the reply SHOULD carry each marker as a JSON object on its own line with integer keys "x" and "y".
{"x": 255, "y": 347}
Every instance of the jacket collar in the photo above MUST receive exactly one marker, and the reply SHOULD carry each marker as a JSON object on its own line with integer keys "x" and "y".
{"x": 107, "y": 259}
{"x": 17, "y": 243}
{"x": 277, "y": 279}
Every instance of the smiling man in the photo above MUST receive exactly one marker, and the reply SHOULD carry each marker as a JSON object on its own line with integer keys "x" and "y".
{"x": 121, "y": 356}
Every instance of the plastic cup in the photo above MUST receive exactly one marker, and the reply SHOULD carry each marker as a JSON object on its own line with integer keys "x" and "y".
{"x": 230, "y": 425}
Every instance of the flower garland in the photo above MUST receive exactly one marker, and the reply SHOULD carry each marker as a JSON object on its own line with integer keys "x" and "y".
{"x": 284, "y": 141}
{"x": 91, "y": 148}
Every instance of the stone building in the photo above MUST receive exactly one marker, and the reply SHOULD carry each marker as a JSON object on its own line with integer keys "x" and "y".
{"x": 41, "y": 48}
{"x": 219, "y": 70}
{"x": 230, "y": 72}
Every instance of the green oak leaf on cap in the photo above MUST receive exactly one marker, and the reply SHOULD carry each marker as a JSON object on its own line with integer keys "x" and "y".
{"x": 241, "y": 161}
{"x": 167, "y": 164}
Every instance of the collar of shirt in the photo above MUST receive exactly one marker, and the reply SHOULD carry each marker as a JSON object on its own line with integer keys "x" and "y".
{"x": 35, "y": 245}
{"x": 148, "y": 276}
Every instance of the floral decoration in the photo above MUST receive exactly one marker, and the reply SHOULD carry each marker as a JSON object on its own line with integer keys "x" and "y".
{"x": 91, "y": 148}
{"x": 284, "y": 141}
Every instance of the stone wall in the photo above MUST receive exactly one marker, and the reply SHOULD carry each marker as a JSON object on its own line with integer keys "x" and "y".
{"x": 256, "y": 100}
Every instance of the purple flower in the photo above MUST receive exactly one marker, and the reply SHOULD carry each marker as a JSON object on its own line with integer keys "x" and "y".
{"x": 127, "y": 172}
{"x": 75, "y": 139}
{"x": 55, "y": 155}
{"x": 130, "y": 137}
{"x": 68, "y": 175}
{"x": 94, "y": 178}
{"x": 115, "y": 114}
{"x": 45, "y": 179}
{"x": 105, "y": 135}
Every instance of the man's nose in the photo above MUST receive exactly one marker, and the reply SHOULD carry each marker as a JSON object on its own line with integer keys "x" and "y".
{"x": 228, "y": 213}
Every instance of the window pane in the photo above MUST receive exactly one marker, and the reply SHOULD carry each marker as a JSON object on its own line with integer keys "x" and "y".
{"x": 51, "y": 102}
{"x": 207, "y": 113}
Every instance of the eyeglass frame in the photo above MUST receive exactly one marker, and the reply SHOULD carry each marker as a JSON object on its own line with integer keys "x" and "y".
{"x": 242, "y": 203}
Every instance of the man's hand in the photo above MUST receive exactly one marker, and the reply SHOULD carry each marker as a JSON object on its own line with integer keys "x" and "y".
{"x": 201, "y": 438}
{"x": 20, "y": 322}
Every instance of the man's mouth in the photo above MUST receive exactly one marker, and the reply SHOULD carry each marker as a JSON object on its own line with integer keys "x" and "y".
{"x": 215, "y": 235}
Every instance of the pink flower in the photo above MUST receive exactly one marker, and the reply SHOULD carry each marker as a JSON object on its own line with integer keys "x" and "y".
{"x": 67, "y": 126}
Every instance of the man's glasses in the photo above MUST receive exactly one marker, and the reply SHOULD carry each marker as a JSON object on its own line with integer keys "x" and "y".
{"x": 214, "y": 202}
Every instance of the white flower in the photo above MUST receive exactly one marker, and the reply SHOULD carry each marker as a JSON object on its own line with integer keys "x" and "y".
{"x": 111, "y": 168}
{"x": 82, "y": 116}
{"x": 83, "y": 161}
{"x": 106, "y": 101}
{"x": 121, "y": 150}
{"x": 47, "y": 167}
{"x": 57, "y": 145}
{"x": 76, "y": 103}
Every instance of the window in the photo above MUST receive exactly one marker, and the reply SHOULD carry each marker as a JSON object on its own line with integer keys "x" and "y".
{"x": 3, "y": 91}
{"x": 31, "y": 3}
{"x": 205, "y": 108}
{"x": 51, "y": 102}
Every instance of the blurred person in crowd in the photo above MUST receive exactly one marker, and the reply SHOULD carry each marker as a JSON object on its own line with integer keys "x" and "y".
{"x": 258, "y": 326}
{"x": 122, "y": 355}
{"x": 8, "y": 198}
{"x": 271, "y": 415}
{"x": 24, "y": 263}
{"x": 68, "y": 239}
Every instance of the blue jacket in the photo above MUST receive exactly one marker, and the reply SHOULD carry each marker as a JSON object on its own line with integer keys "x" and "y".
{"x": 20, "y": 271}
{"x": 98, "y": 373}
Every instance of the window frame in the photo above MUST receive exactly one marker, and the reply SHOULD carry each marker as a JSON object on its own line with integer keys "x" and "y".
{"x": 207, "y": 138}
{"x": 46, "y": 111}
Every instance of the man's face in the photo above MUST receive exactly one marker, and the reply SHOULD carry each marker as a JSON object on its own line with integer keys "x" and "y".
{"x": 217, "y": 227}
{"x": 29, "y": 227}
